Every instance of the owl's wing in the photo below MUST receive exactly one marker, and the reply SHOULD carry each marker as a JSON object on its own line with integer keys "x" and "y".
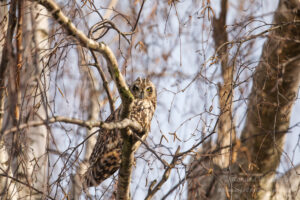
{"x": 106, "y": 156}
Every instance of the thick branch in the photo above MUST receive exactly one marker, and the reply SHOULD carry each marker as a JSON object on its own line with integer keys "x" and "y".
{"x": 88, "y": 124}
{"x": 125, "y": 168}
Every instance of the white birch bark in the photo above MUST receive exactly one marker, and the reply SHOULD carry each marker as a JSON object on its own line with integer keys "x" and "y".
{"x": 288, "y": 185}
{"x": 8, "y": 189}
{"x": 32, "y": 163}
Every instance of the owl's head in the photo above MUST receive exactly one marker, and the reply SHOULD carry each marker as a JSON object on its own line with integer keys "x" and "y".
{"x": 143, "y": 88}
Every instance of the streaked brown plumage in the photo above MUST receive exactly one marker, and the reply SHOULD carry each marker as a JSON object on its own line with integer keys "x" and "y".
{"x": 106, "y": 156}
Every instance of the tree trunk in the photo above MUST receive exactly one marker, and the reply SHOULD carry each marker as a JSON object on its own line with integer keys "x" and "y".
{"x": 32, "y": 158}
{"x": 287, "y": 186}
{"x": 275, "y": 86}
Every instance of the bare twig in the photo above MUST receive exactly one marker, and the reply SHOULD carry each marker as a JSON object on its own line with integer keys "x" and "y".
{"x": 138, "y": 17}
{"x": 152, "y": 151}
{"x": 105, "y": 25}
{"x": 246, "y": 39}
{"x": 164, "y": 178}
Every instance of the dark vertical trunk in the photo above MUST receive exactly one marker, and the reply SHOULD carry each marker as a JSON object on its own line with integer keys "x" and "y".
{"x": 275, "y": 86}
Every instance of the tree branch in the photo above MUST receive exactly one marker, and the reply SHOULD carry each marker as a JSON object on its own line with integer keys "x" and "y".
{"x": 88, "y": 124}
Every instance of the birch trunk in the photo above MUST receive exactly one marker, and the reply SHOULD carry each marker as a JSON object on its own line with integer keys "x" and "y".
{"x": 287, "y": 186}
{"x": 32, "y": 160}
{"x": 8, "y": 189}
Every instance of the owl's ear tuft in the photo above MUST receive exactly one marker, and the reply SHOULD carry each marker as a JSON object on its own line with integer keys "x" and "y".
{"x": 139, "y": 79}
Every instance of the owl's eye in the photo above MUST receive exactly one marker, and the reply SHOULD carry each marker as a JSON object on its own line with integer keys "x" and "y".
{"x": 135, "y": 88}
{"x": 149, "y": 89}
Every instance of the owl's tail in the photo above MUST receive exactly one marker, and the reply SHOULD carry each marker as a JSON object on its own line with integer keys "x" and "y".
{"x": 96, "y": 175}
{"x": 91, "y": 179}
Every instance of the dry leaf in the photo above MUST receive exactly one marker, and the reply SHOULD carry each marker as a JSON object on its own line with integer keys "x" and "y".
{"x": 141, "y": 46}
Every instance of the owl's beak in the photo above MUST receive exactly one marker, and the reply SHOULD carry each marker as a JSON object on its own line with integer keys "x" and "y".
{"x": 141, "y": 95}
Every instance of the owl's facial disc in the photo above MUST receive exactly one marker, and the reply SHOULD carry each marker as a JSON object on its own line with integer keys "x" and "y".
{"x": 143, "y": 89}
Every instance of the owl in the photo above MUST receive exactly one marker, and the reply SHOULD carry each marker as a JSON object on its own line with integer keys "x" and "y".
{"x": 105, "y": 159}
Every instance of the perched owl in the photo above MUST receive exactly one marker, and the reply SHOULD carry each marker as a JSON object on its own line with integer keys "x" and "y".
{"x": 105, "y": 159}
